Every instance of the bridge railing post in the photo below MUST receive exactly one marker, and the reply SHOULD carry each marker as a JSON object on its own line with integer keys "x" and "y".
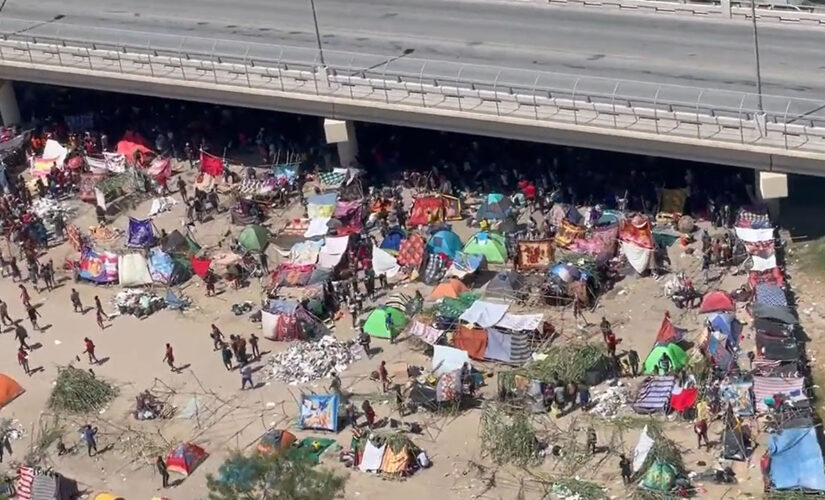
{"x": 421, "y": 84}
{"x": 535, "y": 101}
{"x": 741, "y": 122}
{"x": 246, "y": 67}
{"x": 212, "y": 59}
{"x": 785, "y": 123}
{"x": 495, "y": 93}
{"x": 180, "y": 58}
{"x": 613, "y": 103}
{"x": 698, "y": 126}
{"x": 575, "y": 108}
{"x": 457, "y": 89}
{"x": 280, "y": 73}
{"x": 656, "y": 108}
{"x": 384, "y": 79}
{"x": 29, "y": 50}
{"x": 349, "y": 77}
{"x": 315, "y": 73}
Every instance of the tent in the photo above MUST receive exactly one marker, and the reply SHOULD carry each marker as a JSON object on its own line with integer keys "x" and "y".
{"x": 185, "y": 458}
{"x": 717, "y": 301}
{"x": 506, "y": 284}
{"x": 98, "y": 267}
{"x": 677, "y": 356}
{"x": 450, "y": 288}
{"x": 9, "y": 390}
{"x": 464, "y": 264}
{"x": 176, "y": 242}
{"x": 376, "y": 324}
{"x": 491, "y": 245}
{"x": 660, "y": 476}
{"x": 411, "y": 250}
{"x": 133, "y": 270}
{"x": 494, "y": 207}
{"x": 319, "y": 411}
{"x": 285, "y": 320}
{"x": 796, "y": 460}
{"x": 393, "y": 239}
{"x": 446, "y": 242}
{"x": 423, "y": 208}
{"x": 275, "y": 441}
{"x": 254, "y": 238}
{"x": 733, "y": 443}
{"x": 140, "y": 233}
{"x": 164, "y": 269}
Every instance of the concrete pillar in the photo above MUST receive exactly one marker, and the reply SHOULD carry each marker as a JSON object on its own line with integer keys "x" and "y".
{"x": 342, "y": 134}
{"x": 9, "y": 112}
{"x": 771, "y": 187}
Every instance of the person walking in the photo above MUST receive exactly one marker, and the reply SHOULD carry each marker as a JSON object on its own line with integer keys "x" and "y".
{"x": 89, "y": 434}
{"x": 226, "y": 356}
{"x": 24, "y": 296}
{"x": 21, "y": 335}
{"x": 612, "y": 342}
{"x": 99, "y": 319}
{"x": 246, "y": 376}
{"x": 370, "y": 283}
{"x": 23, "y": 360}
{"x": 169, "y": 357}
{"x": 164, "y": 473}
{"x": 15, "y": 270}
{"x": 90, "y": 350}
{"x": 33, "y": 315}
{"x": 4, "y": 314}
{"x": 48, "y": 275}
{"x": 99, "y": 306}
{"x": 253, "y": 344}
{"x": 76, "y": 303}
{"x": 578, "y": 312}
{"x": 182, "y": 190}
{"x": 625, "y": 468}
{"x": 701, "y": 430}
{"x": 591, "y": 441}
{"x": 383, "y": 376}
{"x": 217, "y": 337}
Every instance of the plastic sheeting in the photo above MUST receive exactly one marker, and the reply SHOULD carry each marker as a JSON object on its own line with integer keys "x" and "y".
{"x": 427, "y": 333}
{"x": 133, "y": 270}
{"x": 643, "y": 447}
{"x": 472, "y": 340}
{"x": 638, "y": 257}
{"x": 318, "y": 226}
{"x": 738, "y": 394}
{"x": 484, "y": 314}
{"x": 99, "y": 267}
{"x": 762, "y": 263}
{"x": 372, "y": 457}
{"x": 463, "y": 264}
{"x": 498, "y": 346}
{"x": 447, "y": 359}
{"x": 305, "y": 252}
{"x": 754, "y": 235}
{"x": 520, "y": 322}
{"x": 161, "y": 266}
{"x": 766, "y": 387}
{"x": 796, "y": 460}
{"x": 332, "y": 251}
{"x": 654, "y": 395}
{"x": 384, "y": 263}
{"x": 140, "y": 233}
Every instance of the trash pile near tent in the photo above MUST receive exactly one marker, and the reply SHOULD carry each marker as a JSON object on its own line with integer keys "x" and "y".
{"x": 138, "y": 303}
{"x": 307, "y": 361}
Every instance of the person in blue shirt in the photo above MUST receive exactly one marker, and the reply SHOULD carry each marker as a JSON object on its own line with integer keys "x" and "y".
{"x": 89, "y": 433}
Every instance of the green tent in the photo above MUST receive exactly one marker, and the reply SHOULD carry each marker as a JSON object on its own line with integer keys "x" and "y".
{"x": 678, "y": 357}
{"x": 661, "y": 476}
{"x": 490, "y": 245}
{"x": 254, "y": 238}
{"x": 376, "y": 324}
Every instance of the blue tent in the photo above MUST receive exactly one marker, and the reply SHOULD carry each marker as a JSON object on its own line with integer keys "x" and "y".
{"x": 727, "y": 324}
{"x": 796, "y": 460}
{"x": 446, "y": 242}
{"x": 393, "y": 239}
{"x": 140, "y": 233}
{"x": 494, "y": 207}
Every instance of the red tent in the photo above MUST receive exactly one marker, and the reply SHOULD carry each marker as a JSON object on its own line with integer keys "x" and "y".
{"x": 717, "y": 301}
{"x": 131, "y": 143}
{"x": 185, "y": 458}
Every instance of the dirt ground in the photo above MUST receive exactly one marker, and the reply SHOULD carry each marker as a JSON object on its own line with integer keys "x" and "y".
{"x": 233, "y": 419}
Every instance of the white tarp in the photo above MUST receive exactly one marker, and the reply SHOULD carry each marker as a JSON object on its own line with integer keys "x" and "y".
{"x": 54, "y": 151}
{"x": 133, "y": 270}
{"x": 384, "y": 263}
{"x": 447, "y": 359}
{"x": 269, "y": 322}
{"x": 754, "y": 235}
{"x": 332, "y": 251}
{"x": 521, "y": 322}
{"x": 305, "y": 252}
{"x": 641, "y": 451}
{"x": 112, "y": 162}
{"x": 484, "y": 314}
{"x": 639, "y": 258}
{"x": 372, "y": 457}
{"x": 762, "y": 264}
{"x": 161, "y": 204}
{"x": 317, "y": 227}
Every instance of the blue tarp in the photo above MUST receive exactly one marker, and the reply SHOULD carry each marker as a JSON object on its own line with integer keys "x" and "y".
{"x": 722, "y": 347}
{"x": 282, "y": 306}
{"x": 467, "y": 262}
{"x": 446, "y": 242}
{"x": 393, "y": 239}
{"x": 140, "y": 233}
{"x": 161, "y": 266}
{"x": 796, "y": 460}
{"x": 727, "y": 324}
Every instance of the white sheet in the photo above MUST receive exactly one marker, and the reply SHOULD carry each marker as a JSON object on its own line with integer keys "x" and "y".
{"x": 161, "y": 204}
{"x": 372, "y": 457}
{"x": 639, "y": 258}
{"x": 384, "y": 263}
{"x": 447, "y": 359}
{"x": 54, "y": 151}
{"x": 641, "y": 451}
{"x": 762, "y": 264}
{"x": 754, "y": 235}
{"x": 317, "y": 227}
{"x": 484, "y": 314}
{"x": 305, "y": 252}
{"x": 269, "y": 322}
{"x": 133, "y": 270}
{"x": 521, "y": 322}
{"x": 332, "y": 251}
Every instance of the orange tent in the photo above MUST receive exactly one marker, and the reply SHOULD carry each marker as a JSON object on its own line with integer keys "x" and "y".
{"x": 451, "y": 288}
{"x": 275, "y": 441}
{"x": 9, "y": 390}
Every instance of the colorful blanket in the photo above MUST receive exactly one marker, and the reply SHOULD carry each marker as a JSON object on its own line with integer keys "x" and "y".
{"x": 568, "y": 233}
{"x": 637, "y": 232}
{"x": 535, "y": 254}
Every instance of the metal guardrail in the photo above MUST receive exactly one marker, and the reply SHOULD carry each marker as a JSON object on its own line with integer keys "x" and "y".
{"x": 477, "y": 92}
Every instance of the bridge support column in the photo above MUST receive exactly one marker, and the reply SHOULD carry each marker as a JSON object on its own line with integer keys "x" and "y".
{"x": 771, "y": 187}
{"x": 342, "y": 133}
{"x": 9, "y": 111}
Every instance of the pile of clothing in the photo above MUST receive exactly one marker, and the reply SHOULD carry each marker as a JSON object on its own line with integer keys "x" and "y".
{"x": 138, "y": 303}
{"x": 307, "y": 361}
{"x": 607, "y": 404}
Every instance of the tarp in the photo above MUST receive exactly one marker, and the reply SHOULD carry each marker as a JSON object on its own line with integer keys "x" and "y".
{"x": 318, "y": 226}
{"x": 133, "y": 270}
{"x": 448, "y": 387}
{"x": 678, "y": 357}
{"x": 111, "y": 162}
{"x": 599, "y": 241}
{"x": 99, "y": 267}
{"x": 160, "y": 169}
{"x": 717, "y": 301}
{"x": 763, "y": 264}
{"x": 464, "y": 264}
{"x": 411, "y": 251}
{"x": 425, "y": 332}
{"x": 535, "y": 254}
{"x": 562, "y": 211}
{"x": 660, "y": 476}
{"x": 472, "y": 340}
{"x": 499, "y": 346}
{"x": 376, "y": 323}
{"x": 762, "y": 249}
{"x": 796, "y": 460}
{"x": 444, "y": 241}
{"x": 567, "y": 233}
{"x": 494, "y": 207}
{"x": 53, "y": 154}
{"x": 131, "y": 143}
{"x": 9, "y": 390}
{"x": 753, "y": 216}
{"x": 778, "y": 313}
{"x": 176, "y": 242}
{"x": 200, "y": 266}
{"x": 505, "y": 284}
{"x": 393, "y": 239}
{"x": 140, "y": 233}
{"x": 733, "y": 442}
{"x": 766, "y": 387}
{"x": 681, "y": 399}
{"x": 184, "y": 458}
{"x": 452, "y": 207}
{"x": 211, "y": 165}
{"x": 254, "y": 238}
{"x": 162, "y": 267}
{"x": 637, "y": 232}
{"x": 161, "y": 204}
{"x": 654, "y": 395}
{"x": 484, "y": 314}
{"x": 738, "y": 394}
{"x": 448, "y": 359}
{"x": 384, "y": 263}
{"x": 292, "y": 275}
{"x": 395, "y": 462}
{"x": 306, "y": 252}
{"x": 643, "y": 447}
{"x": 423, "y": 208}
{"x": 321, "y": 206}
{"x": 285, "y": 320}
{"x": 521, "y": 322}
{"x": 491, "y": 245}
{"x": 754, "y": 235}
{"x": 372, "y": 457}
{"x": 639, "y": 258}
{"x": 568, "y": 273}
{"x": 319, "y": 411}
{"x": 450, "y": 288}
{"x": 332, "y": 251}
{"x": 777, "y": 348}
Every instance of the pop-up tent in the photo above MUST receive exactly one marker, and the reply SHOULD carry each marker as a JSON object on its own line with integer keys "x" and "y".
{"x": 275, "y": 441}
{"x": 491, "y": 245}
{"x": 176, "y": 242}
{"x": 9, "y": 390}
{"x": 446, "y": 242}
{"x": 717, "y": 301}
{"x": 506, "y": 284}
{"x": 377, "y": 324}
{"x": 254, "y": 238}
{"x": 494, "y": 207}
{"x": 140, "y": 233}
{"x": 450, "y": 288}
{"x": 185, "y": 458}
{"x": 393, "y": 239}
{"x": 677, "y": 356}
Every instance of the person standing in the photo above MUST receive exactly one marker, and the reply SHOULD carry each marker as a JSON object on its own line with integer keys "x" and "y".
{"x": 246, "y": 376}
{"x": 90, "y": 350}
{"x": 33, "y": 315}
{"x": 253, "y": 343}
{"x": 578, "y": 312}
{"x": 335, "y": 385}
{"x": 182, "y": 190}
{"x": 48, "y": 275}
{"x": 701, "y": 430}
{"x": 226, "y": 356}
{"x": 23, "y": 360}
{"x": 90, "y": 437}
{"x": 370, "y": 283}
{"x": 24, "y": 296}
{"x": 605, "y": 327}
{"x": 383, "y": 376}
{"x": 15, "y": 270}
{"x": 217, "y": 337}
{"x": 591, "y": 441}
{"x": 164, "y": 473}
{"x": 21, "y": 335}
{"x": 625, "y": 468}
{"x": 369, "y": 413}
{"x": 633, "y": 359}
{"x": 76, "y": 303}
{"x": 612, "y": 342}
{"x": 4, "y": 314}
{"x": 169, "y": 357}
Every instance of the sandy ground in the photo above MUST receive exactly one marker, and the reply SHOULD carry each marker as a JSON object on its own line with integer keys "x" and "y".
{"x": 234, "y": 419}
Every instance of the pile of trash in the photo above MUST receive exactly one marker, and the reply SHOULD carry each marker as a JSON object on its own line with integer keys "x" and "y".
{"x": 45, "y": 208}
{"x": 138, "y": 303}
{"x": 307, "y": 361}
{"x": 607, "y": 404}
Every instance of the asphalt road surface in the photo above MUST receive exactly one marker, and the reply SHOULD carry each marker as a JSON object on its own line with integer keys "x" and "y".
{"x": 521, "y": 38}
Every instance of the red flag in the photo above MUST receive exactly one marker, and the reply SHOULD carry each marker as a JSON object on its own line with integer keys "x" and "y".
{"x": 211, "y": 165}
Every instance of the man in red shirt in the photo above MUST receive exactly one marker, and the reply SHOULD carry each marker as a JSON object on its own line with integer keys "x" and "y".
{"x": 612, "y": 342}
{"x": 90, "y": 350}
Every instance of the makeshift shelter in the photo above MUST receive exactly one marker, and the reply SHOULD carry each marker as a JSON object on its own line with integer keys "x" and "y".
{"x": 98, "y": 267}
{"x": 448, "y": 359}
{"x": 783, "y": 314}
{"x": 677, "y": 356}
{"x": 140, "y": 233}
{"x": 660, "y": 476}
{"x": 319, "y": 411}
{"x": 334, "y": 249}
{"x": 471, "y": 340}
{"x": 654, "y": 395}
{"x": 776, "y": 348}
{"x": 637, "y": 242}
{"x": 384, "y": 263}
{"x": 568, "y": 233}
{"x": 254, "y": 238}
{"x": 535, "y": 254}
{"x": 411, "y": 250}
{"x": 378, "y": 325}
{"x": 393, "y": 239}
{"x": 39, "y": 483}
{"x": 176, "y": 242}
{"x": 733, "y": 442}
{"x": 285, "y": 320}
{"x": 133, "y": 270}
{"x": 484, "y": 314}
{"x": 562, "y": 211}
{"x": 505, "y": 285}
{"x": 789, "y": 388}
{"x": 717, "y": 301}
{"x": 449, "y": 387}
{"x": 491, "y": 245}
{"x": 9, "y": 390}
{"x": 426, "y": 209}
{"x": 796, "y": 460}
{"x": 185, "y": 458}
{"x": 450, "y": 288}
{"x": 738, "y": 393}
{"x": 164, "y": 269}
{"x": 452, "y": 207}
{"x": 446, "y": 242}
{"x": 494, "y": 207}
{"x": 464, "y": 264}
{"x": 275, "y": 441}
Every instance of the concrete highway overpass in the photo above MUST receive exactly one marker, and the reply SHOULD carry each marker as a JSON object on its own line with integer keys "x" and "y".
{"x": 664, "y": 86}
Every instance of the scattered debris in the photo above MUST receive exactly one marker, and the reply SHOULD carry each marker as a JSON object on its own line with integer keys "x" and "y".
{"x": 307, "y": 361}
{"x": 607, "y": 404}
{"x": 138, "y": 303}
